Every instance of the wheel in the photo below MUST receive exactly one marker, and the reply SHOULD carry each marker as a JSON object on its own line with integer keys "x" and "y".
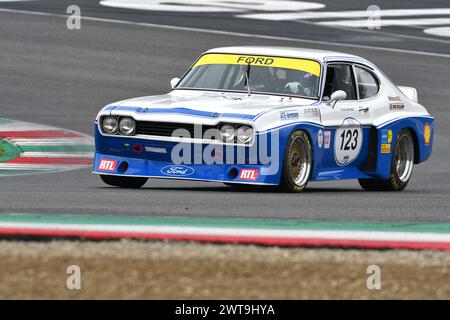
{"x": 124, "y": 182}
{"x": 297, "y": 162}
{"x": 402, "y": 165}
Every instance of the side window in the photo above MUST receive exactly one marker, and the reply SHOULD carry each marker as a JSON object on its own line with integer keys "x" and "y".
{"x": 340, "y": 77}
{"x": 367, "y": 83}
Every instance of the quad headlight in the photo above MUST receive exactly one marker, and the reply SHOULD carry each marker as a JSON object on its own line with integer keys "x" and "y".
{"x": 118, "y": 125}
{"x": 127, "y": 126}
{"x": 229, "y": 133}
{"x": 110, "y": 125}
{"x": 244, "y": 134}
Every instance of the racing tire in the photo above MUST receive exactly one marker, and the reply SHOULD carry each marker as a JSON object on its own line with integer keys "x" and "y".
{"x": 402, "y": 165}
{"x": 297, "y": 162}
{"x": 124, "y": 182}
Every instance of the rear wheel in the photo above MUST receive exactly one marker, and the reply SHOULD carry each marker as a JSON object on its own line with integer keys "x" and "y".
{"x": 297, "y": 162}
{"x": 124, "y": 182}
{"x": 401, "y": 166}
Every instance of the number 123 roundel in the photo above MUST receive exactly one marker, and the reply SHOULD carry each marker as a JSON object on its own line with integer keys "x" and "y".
{"x": 268, "y": 116}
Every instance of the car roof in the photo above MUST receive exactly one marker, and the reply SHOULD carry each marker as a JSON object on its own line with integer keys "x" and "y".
{"x": 291, "y": 52}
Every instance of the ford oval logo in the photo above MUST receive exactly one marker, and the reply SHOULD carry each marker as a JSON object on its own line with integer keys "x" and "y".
{"x": 177, "y": 170}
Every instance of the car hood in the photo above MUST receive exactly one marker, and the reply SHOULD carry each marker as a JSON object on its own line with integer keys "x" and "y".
{"x": 207, "y": 104}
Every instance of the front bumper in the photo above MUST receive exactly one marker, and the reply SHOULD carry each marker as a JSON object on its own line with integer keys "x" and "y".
{"x": 138, "y": 157}
{"x": 231, "y": 173}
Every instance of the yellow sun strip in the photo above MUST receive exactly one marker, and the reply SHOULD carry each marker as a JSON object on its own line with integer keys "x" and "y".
{"x": 305, "y": 65}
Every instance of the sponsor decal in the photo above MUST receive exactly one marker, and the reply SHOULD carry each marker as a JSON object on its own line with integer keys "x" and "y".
{"x": 395, "y": 99}
{"x": 389, "y": 136}
{"x": 155, "y": 149}
{"x": 177, "y": 170}
{"x": 311, "y": 112}
{"x": 255, "y": 60}
{"x": 107, "y": 165}
{"x": 396, "y": 106}
{"x": 248, "y": 174}
{"x": 289, "y": 115}
{"x": 327, "y": 139}
{"x": 320, "y": 138}
{"x": 427, "y": 133}
{"x": 386, "y": 136}
{"x": 386, "y": 139}
{"x": 386, "y": 148}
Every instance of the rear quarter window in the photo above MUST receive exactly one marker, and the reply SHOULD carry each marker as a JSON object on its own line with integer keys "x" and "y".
{"x": 368, "y": 85}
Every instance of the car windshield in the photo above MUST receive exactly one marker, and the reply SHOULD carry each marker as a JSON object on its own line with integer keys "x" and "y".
{"x": 263, "y": 74}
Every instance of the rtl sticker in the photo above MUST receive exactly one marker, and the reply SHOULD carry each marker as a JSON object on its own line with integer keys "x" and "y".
{"x": 107, "y": 165}
{"x": 248, "y": 174}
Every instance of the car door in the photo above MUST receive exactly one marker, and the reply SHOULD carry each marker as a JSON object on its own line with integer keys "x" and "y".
{"x": 347, "y": 122}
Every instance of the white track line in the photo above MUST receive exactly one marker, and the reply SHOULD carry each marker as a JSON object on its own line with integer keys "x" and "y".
{"x": 43, "y": 154}
{"x": 344, "y": 14}
{"x": 49, "y": 142}
{"x": 209, "y": 6}
{"x": 377, "y": 32}
{"x": 26, "y": 166}
{"x": 24, "y": 127}
{"x": 236, "y": 34}
{"x": 441, "y": 32}
{"x": 387, "y": 22}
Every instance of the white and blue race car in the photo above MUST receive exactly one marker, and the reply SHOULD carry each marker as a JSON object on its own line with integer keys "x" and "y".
{"x": 268, "y": 116}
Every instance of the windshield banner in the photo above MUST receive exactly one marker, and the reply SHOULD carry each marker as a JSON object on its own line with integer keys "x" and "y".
{"x": 305, "y": 65}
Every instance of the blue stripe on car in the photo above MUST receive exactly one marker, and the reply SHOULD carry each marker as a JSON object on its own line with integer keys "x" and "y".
{"x": 185, "y": 111}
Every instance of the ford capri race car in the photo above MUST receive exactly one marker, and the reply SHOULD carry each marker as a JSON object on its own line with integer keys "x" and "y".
{"x": 268, "y": 116}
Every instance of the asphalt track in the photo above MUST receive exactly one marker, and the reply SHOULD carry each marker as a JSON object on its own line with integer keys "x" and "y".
{"x": 54, "y": 76}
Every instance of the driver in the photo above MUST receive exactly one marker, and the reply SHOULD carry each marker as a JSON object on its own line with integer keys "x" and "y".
{"x": 302, "y": 86}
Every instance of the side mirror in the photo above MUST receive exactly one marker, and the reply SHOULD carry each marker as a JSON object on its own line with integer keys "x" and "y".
{"x": 336, "y": 96}
{"x": 174, "y": 82}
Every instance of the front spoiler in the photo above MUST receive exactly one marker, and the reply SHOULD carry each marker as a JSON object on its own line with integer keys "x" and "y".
{"x": 198, "y": 172}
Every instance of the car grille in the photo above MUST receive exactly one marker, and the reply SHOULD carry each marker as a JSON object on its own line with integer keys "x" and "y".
{"x": 166, "y": 129}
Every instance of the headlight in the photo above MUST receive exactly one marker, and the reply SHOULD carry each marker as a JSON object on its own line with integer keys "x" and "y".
{"x": 244, "y": 134}
{"x": 227, "y": 133}
{"x": 127, "y": 125}
{"x": 109, "y": 124}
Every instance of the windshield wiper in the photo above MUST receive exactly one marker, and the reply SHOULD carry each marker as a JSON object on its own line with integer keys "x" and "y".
{"x": 247, "y": 80}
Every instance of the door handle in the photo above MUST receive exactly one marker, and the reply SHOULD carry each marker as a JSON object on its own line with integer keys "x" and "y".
{"x": 364, "y": 109}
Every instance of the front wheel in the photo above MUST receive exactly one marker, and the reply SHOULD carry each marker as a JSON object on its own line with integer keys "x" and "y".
{"x": 402, "y": 165}
{"x": 124, "y": 182}
{"x": 297, "y": 162}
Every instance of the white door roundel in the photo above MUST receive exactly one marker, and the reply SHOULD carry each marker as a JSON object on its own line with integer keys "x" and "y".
{"x": 348, "y": 141}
